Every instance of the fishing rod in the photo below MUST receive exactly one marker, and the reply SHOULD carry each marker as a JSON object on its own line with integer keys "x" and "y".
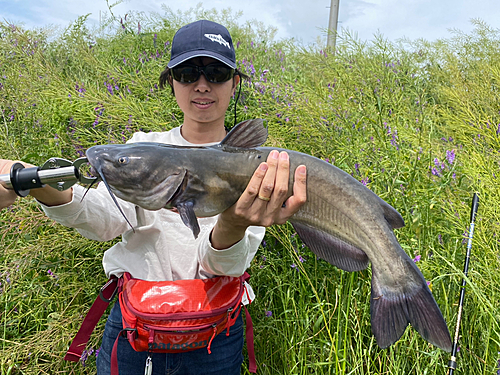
{"x": 452, "y": 364}
{"x": 59, "y": 173}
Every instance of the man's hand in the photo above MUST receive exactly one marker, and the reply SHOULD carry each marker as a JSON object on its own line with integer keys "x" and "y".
{"x": 7, "y": 196}
{"x": 47, "y": 195}
{"x": 264, "y": 202}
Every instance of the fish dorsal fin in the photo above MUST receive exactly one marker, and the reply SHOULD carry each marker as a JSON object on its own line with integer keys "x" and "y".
{"x": 332, "y": 249}
{"x": 392, "y": 216}
{"x": 246, "y": 134}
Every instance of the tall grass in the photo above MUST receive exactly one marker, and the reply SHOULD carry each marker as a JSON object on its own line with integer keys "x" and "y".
{"x": 418, "y": 123}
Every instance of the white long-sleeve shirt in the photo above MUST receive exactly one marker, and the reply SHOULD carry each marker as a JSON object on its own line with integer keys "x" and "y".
{"x": 162, "y": 247}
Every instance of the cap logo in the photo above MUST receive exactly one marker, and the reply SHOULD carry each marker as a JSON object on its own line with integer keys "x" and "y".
{"x": 219, "y": 39}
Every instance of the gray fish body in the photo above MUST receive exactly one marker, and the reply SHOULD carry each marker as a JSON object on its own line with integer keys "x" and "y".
{"x": 342, "y": 221}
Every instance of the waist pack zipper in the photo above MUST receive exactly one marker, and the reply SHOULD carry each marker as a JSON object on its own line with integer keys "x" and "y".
{"x": 152, "y": 328}
{"x": 204, "y": 327}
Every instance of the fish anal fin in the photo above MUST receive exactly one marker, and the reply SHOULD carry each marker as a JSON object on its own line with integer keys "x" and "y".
{"x": 391, "y": 312}
{"x": 188, "y": 217}
{"x": 392, "y": 216}
{"x": 246, "y": 134}
{"x": 332, "y": 249}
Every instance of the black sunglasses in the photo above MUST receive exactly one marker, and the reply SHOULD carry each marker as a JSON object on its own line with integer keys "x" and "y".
{"x": 215, "y": 73}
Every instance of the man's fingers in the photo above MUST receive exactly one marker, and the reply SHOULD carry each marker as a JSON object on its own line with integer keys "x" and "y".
{"x": 262, "y": 201}
{"x": 282, "y": 179}
{"x": 267, "y": 185}
{"x": 7, "y": 197}
{"x": 300, "y": 183}
{"x": 252, "y": 190}
{"x": 299, "y": 197}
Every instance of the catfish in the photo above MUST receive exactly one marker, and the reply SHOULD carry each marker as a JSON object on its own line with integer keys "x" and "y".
{"x": 342, "y": 221}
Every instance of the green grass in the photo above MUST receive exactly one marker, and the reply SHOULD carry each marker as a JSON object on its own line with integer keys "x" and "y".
{"x": 389, "y": 114}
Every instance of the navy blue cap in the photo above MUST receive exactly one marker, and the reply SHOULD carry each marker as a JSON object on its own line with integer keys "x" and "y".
{"x": 202, "y": 38}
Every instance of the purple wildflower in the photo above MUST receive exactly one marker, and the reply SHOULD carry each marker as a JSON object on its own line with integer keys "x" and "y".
{"x": 466, "y": 237}
{"x": 294, "y": 266}
{"x": 269, "y": 314}
{"x": 252, "y": 69}
{"x": 417, "y": 258}
{"x": 393, "y": 141}
{"x": 85, "y": 355}
{"x": 450, "y": 156}
{"x": 302, "y": 260}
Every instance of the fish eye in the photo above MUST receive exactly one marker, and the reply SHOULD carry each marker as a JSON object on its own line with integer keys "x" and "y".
{"x": 123, "y": 160}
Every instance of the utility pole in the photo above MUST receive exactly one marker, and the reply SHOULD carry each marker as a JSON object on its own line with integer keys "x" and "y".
{"x": 332, "y": 25}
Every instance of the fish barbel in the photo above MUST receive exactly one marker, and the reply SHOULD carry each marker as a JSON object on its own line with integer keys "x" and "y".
{"x": 342, "y": 221}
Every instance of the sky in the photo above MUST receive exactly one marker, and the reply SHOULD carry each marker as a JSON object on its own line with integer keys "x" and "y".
{"x": 304, "y": 20}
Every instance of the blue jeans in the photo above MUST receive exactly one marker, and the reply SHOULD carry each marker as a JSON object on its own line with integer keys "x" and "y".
{"x": 226, "y": 357}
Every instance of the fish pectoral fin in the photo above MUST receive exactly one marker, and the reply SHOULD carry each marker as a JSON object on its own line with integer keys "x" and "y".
{"x": 171, "y": 187}
{"x": 246, "y": 134}
{"x": 188, "y": 217}
{"x": 332, "y": 249}
{"x": 392, "y": 311}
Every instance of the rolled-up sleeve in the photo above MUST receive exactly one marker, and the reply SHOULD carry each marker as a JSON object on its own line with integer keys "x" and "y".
{"x": 234, "y": 260}
{"x": 96, "y": 216}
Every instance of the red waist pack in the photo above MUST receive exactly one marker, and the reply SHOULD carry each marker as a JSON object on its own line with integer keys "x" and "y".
{"x": 177, "y": 316}
{"x": 170, "y": 316}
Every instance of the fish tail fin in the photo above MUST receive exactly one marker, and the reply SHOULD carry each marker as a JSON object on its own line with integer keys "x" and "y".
{"x": 391, "y": 311}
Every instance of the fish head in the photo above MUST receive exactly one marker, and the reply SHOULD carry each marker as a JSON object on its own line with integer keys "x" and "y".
{"x": 139, "y": 173}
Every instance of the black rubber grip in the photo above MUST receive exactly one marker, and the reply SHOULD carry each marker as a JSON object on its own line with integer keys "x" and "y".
{"x": 24, "y": 179}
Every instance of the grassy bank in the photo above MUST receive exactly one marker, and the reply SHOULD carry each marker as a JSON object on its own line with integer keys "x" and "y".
{"x": 418, "y": 123}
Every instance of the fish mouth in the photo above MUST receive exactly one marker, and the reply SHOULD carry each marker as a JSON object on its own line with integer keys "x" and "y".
{"x": 94, "y": 172}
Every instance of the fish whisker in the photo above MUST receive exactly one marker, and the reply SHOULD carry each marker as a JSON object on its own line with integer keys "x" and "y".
{"x": 87, "y": 190}
{"x": 114, "y": 199}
